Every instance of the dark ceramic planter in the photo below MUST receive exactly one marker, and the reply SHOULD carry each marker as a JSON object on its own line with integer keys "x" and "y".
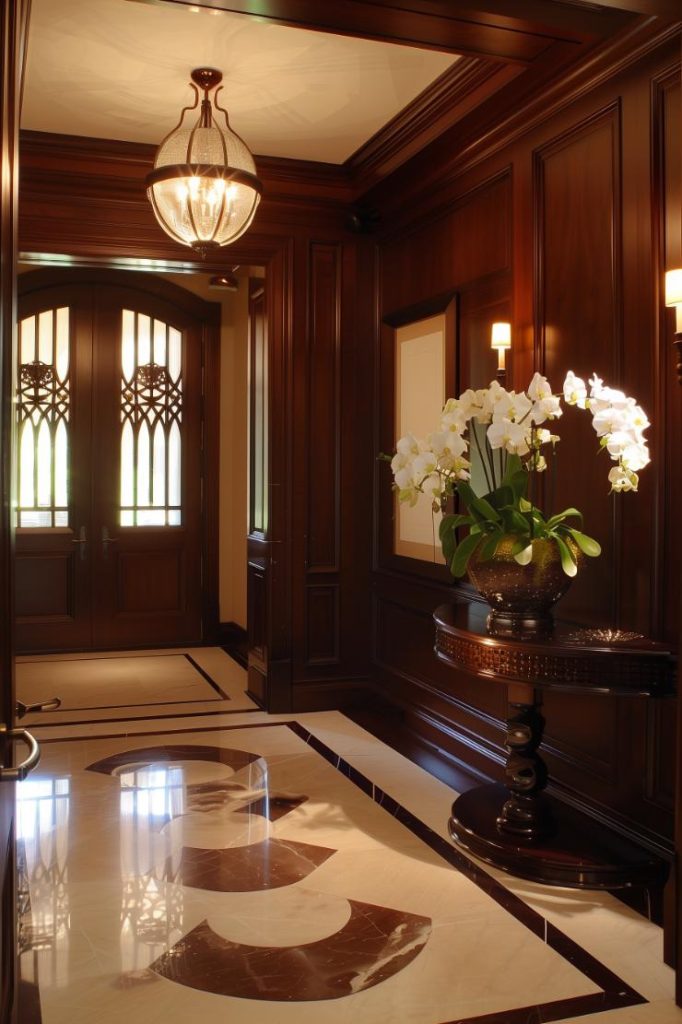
{"x": 521, "y": 596}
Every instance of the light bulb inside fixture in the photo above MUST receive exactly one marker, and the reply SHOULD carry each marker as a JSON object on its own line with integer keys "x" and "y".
{"x": 203, "y": 189}
{"x": 500, "y": 339}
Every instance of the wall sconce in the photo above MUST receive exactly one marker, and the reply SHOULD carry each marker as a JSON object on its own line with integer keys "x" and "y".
{"x": 673, "y": 297}
{"x": 500, "y": 339}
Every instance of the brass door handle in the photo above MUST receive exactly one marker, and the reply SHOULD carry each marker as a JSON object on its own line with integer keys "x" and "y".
{"x": 19, "y": 773}
{"x": 107, "y": 540}
{"x": 81, "y": 540}
{"x": 46, "y": 705}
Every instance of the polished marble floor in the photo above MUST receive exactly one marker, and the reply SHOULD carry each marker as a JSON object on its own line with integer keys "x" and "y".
{"x": 250, "y": 868}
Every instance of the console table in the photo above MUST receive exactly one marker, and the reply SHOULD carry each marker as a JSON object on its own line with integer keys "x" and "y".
{"x": 519, "y": 827}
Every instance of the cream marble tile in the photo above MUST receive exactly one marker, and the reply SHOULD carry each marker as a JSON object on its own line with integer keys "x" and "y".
{"x": 137, "y": 684}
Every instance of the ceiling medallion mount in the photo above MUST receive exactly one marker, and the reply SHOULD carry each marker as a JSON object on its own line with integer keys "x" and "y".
{"x": 207, "y": 78}
{"x": 204, "y": 189}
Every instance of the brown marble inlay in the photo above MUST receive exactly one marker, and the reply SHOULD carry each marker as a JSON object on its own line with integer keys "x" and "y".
{"x": 270, "y": 864}
{"x": 375, "y": 944}
{"x": 273, "y": 807}
{"x": 235, "y": 759}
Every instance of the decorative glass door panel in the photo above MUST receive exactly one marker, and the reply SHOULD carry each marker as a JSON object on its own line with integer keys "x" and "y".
{"x": 43, "y": 406}
{"x": 108, "y": 423}
{"x": 151, "y": 422}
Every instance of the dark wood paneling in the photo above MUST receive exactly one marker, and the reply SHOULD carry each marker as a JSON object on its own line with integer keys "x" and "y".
{"x": 150, "y": 581}
{"x": 324, "y": 393}
{"x": 578, "y": 299}
{"x": 580, "y": 279}
{"x": 46, "y": 589}
{"x": 322, "y": 624}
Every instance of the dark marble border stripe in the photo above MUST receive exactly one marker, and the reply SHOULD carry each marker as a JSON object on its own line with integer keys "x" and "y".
{"x": 615, "y": 992}
{"x": 138, "y": 718}
{"x": 207, "y": 677}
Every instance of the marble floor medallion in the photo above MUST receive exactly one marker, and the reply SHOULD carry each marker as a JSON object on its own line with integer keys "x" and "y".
{"x": 251, "y": 874}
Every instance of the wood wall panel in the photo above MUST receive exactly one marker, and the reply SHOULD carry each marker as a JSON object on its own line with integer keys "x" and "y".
{"x": 588, "y": 191}
{"x": 322, "y": 624}
{"x": 324, "y": 383}
{"x": 578, "y": 325}
{"x": 468, "y": 239}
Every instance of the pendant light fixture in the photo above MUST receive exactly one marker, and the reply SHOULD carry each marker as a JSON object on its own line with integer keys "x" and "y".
{"x": 204, "y": 190}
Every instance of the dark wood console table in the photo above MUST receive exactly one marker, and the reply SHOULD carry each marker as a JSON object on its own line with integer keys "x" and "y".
{"x": 519, "y": 827}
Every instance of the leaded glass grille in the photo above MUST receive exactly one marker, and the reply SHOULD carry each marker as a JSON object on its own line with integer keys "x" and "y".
{"x": 151, "y": 421}
{"x": 43, "y": 408}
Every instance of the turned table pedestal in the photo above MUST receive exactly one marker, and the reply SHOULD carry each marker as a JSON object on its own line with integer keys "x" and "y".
{"x": 519, "y": 827}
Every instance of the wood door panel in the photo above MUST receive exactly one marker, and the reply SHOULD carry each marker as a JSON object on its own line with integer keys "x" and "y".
{"x": 131, "y": 584}
{"x": 44, "y": 586}
{"x": 150, "y": 582}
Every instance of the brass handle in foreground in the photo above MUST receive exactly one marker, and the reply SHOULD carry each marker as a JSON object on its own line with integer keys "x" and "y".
{"x": 45, "y": 705}
{"x": 19, "y": 773}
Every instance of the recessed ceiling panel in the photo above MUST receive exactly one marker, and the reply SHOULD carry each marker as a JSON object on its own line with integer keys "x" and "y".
{"x": 119, "y": 70}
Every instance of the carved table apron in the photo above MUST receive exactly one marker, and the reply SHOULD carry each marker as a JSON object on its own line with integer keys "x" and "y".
{"x": 519, "y": 827}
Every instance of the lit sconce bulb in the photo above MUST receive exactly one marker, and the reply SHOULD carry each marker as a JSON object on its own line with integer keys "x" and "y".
{"x": 673, "y": 295}
{"x": 500, "y": 339}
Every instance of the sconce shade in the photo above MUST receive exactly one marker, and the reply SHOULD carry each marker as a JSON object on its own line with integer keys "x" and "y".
{"x": 673, "y": 287}
{"x": 500, "y": 337}
{"x": 204, "y": 190}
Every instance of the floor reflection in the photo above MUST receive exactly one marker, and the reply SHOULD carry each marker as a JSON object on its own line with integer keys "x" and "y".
{"x": 42, "y": 823}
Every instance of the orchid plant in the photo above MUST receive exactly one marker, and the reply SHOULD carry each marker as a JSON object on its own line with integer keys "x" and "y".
{"x": 509, "y": 432}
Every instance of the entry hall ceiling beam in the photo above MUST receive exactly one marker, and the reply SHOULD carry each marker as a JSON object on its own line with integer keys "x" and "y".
{"x": 486, "y": 30}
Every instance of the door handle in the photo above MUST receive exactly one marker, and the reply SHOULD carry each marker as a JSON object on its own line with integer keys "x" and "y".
{"x": 19, "y": 773}
{"x": 46, "y": 705}
{"x": 107, "y": 540}
{"x": 81, "y": 540}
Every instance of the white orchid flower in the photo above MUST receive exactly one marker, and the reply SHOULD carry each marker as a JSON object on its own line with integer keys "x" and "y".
{"x": 513, "y": 437}
{"x": 635, "y": 457}
{"x": 539, "y": 388}
{"x": 547, "y": 409}
{"x": 424, "y": 465}
{"x": 408, "y": 445}
{"x": 575, "y": 392}
{"x": 623, "y": 479}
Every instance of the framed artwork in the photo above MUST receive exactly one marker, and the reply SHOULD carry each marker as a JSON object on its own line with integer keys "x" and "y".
{"x": 423, "y": 351}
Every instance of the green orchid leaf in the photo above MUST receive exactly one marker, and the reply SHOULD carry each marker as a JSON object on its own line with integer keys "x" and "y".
{"x": 588, "y": 545}
{"x": 568, "y": 513}
{"x": 519, "y": 485}
{"x": 460, "y": 559}
{"x": 524, "y": 556}
{"x": 486, "y": 510}
{"x": 568, "y": 563}
{"x": 489, "y": 545}
{"x": 514, "y": 522}
{"x": 500, "y": 497}
{"x": 514, "y": 466}
{"x": 449, "y": 524}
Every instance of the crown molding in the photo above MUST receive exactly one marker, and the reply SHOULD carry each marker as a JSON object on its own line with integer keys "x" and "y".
{"x": 531, "y": 99}
{"x": 93, "y": 167}
{"x": 454, "y": 94}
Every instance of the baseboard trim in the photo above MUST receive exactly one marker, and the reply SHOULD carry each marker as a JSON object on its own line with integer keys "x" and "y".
{"x": 234, "y": 640}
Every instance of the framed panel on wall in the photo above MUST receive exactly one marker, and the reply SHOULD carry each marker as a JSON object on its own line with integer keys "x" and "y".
{"x": 420, "y": 349}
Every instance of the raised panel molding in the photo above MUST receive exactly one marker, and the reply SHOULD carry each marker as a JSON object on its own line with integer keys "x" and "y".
{"x": 324, "y": 409}
{"x": 578, "y": 320}
{"x": 322, "y": 624}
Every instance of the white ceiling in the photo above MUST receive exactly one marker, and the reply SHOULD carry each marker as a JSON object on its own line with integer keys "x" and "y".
{"x": 118, "y": 70}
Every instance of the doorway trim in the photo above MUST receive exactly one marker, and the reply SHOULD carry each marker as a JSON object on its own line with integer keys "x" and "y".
{"x": 208, "y": 316}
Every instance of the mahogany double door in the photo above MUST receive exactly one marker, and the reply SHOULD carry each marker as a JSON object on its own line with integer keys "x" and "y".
{"x": 108, "y": 459}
